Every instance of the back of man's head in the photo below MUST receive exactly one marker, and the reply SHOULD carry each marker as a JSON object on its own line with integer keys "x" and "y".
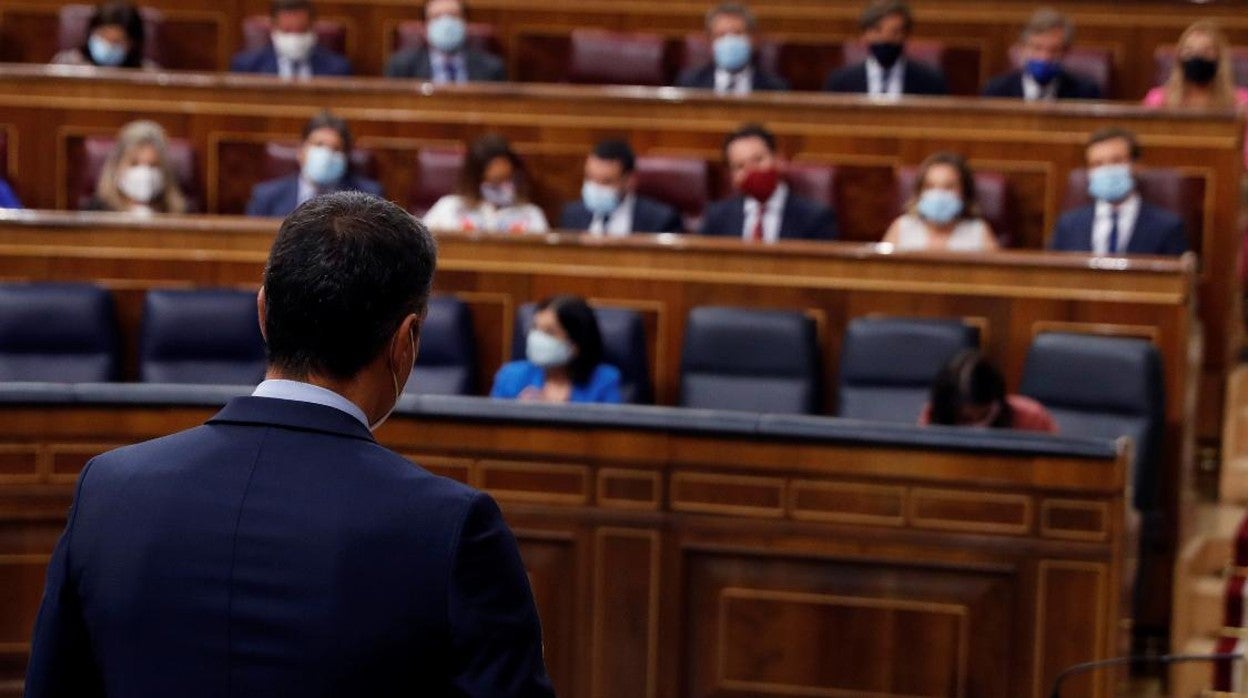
{"x": 343, "y": 273}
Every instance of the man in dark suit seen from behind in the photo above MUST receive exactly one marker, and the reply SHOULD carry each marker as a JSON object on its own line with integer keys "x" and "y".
{"x": 609, "y": 204}
{"x": 1043, "y": 45}
{"x": 734, "y": 68}
{"x": 886, "y": 25}
{"x": 278, "y": 549}
{"x": 324, "y": 167}
{"x": 1119, "y": 221}
{"x": 293, "y": 51}
{"x": 446, "y": 57}
{"x": 764, "y": 210}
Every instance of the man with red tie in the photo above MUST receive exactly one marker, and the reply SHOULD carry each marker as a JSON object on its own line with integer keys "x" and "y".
{"x": 764, "y": 210}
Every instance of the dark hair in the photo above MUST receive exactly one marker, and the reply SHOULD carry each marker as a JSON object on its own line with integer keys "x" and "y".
{"x": 750, "y": 131}
{"x": 1110, "y": 133}
{"x": 343, "y": 272}
{"x": 276, "y": 6}
{"x": 969, "y": 379}
{"x": 966, "y": 182}
{"x": 481, "y": 153}
{"x": 879, "y": 9}
{"x": 617, "y": 151}
{"x": 735, "y": 9}
{"x": 124, "y": 15}
{"x": 326, "y": 119}
{"x": 463, "y": 8}
{"x": 578, "y": 320}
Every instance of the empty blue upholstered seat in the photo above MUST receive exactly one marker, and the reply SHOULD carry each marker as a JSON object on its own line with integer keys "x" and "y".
{"x": 888, "y": 363}
{"x": 447, "y": 362}
{"x": 62, "y": 333}
{"x": 755, "y": 360}
{"x": 209, "y": 336}
{"x": 623, "y": 346}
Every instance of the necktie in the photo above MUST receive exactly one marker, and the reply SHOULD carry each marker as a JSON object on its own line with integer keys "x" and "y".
{"x": 452, "y": 75}
{"x": 1112, "y": 247}
{"x": 757, "y": 234}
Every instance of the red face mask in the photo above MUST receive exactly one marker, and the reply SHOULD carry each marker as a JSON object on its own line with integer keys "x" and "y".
{"x": 760, "y": 184}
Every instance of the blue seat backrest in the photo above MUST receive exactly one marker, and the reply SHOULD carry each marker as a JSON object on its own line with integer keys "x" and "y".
{"x": 888, "y": 363}
{"x": 447, "y": 362}
{"x": 623, "y": 346}
{"x": 204, "y": 336}
{"x": 753, "y": 360}
{"x": 60, "y": 333}
{"x": 1104, "y": 387}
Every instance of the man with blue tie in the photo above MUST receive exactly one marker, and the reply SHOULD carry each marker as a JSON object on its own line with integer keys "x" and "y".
{"x": 446, "y": 57}
{"x": 1119, "y": 221}
{"x": 293, "y": 52}
{"x": 279, "y": 550}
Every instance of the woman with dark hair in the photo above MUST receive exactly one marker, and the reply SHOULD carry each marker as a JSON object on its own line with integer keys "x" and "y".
{"x": 563, "y": 361}
{"x": 969, "y": 391}
{"x": 492, "y": 196}
{"x": 324, "y": 167}
{"x": 943, "y": 213}
{"x": 115, "y": 39}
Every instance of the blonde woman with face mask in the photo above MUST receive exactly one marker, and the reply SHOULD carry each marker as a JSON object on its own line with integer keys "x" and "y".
{"x": 137, "y": 177}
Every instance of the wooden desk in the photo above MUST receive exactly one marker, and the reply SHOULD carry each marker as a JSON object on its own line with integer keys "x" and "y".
{"x": 669, "y": 563}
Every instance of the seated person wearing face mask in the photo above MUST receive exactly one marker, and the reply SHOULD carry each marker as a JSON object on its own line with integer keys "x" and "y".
{"x": 324, "y": 167}
{"x": 115, "y": 39}
{"x": 137, "y": 177}
{"x": 969, "y": 391}
{"x": 885, "y": 25}
{"x": 563, "y": 362}
{"x": 446, "y": 57}
{"x": 765, "y": 210}
{"x": 293, "y": 51}
{"x": 1044, "y": 43}
{"x": 608, "y": 204}
{"x": 732, "y": 29}
{"x": 1119, "y": 222}
{"x": 943, "y": 213}
{"x": 492, "y": 194}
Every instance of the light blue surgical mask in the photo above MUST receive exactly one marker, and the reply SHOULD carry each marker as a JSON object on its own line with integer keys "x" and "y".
{"x": 446, "y": 33}
{"x": 939, "y": 206}
{"x": 1110, "y": 182}
{"x": 104, "y": 52}
{"x": 599, "y": 199}
{"x": 324, "y": 166}
{"x": 732, "y": 52}
{"x": 546, "y": 351}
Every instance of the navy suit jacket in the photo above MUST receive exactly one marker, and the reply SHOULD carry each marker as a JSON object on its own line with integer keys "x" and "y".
{"x": 1157, "y": 231}
{"x": 802, "y": 219}
{"x": 1069, "y": 86}
{"x": 279, "y": 197}
{"x": 415, "y": 63}
{"x": 264, "y": 60}
{"x": 278, "y": 550}
{"x": 918, "y": 79}
{"x": 649, "y": 216}
{"x": 703, "y": 78}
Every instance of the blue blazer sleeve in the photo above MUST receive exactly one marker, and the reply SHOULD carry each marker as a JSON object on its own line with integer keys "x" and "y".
{"x": 496, "y": 636}
{"x": 605, "y": 385}
{"x": 1175, "y": 242}
{"x": 7, "y": 198}
{"x": 510, "y": 380}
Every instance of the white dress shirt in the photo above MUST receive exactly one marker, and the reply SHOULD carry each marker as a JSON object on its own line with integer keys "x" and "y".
{"x": 738, "y": 83}
{"x": 1034, "y": 91}
{"x": 1128, "y": 213}
{"x": 299, "y": 391}
{"x": 438, "y": 62}
{"x": 771, "y": 218}
{"x": 885, "y": 82}
{"x": 288, "y": 69}
{"x": 617, "y": 225}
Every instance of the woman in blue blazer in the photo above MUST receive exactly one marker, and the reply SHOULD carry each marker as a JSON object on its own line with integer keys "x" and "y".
{"x": 564, "y": 358}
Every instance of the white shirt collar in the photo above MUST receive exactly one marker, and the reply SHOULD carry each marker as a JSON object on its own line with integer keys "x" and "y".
{"x": 1128, "y": 213}
{"x": 299, "y": 391}
{"x": 740, "y": 82}
{"x": 1033, "y": 91}
{"x": 772, "y": 218}
{"x": 620, "y": 222}
{"x": 886, "y": 82}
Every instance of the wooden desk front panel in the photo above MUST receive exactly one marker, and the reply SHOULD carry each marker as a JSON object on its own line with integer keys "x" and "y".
{"x": 685, "y": 565}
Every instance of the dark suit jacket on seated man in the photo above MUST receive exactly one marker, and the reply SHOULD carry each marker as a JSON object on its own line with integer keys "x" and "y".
{"x": 609, "y": 205}
{"x": 279, "y": 550}
{"x": 886, "y": 25}
{"x": 293, "y": 51}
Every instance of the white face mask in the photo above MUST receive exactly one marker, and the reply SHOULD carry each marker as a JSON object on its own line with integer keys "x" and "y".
{"x": 398, "y": 390}
{"x": 141, "y": 183}
{"x": 293, "y": 46}
{"x": 547, "y": 351}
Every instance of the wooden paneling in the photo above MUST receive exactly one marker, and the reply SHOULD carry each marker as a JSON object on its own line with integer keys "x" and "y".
{"x": 668, "y": 602}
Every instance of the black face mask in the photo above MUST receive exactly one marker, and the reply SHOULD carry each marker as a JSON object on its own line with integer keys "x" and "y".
{"x": 1199, "y": 71}
{"x": 886, "y": 53}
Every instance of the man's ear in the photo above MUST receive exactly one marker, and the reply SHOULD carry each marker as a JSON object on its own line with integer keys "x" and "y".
{"x": 262, "y": 312}
{"x": 403, "y": 352}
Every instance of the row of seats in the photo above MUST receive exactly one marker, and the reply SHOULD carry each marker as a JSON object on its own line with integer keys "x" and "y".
{"x": 733, "y": 358}
{"x": 597, "y": 56}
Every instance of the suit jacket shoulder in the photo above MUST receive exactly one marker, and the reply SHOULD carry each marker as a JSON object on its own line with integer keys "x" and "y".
{"x": 768, "y": 82}
{"x": 1075, "y": 86}
{"x": 1073, "y": 231}
{"x": 575, "y": 216}
{"x": 700, "y": 77}
{"x": 256, "y": 60}
{"x": 1005, "y": 85}
{"x": 848, "y": 79}
{"x": 807, "y": 219}
{"x": 924, "y": 79}
{"x": 274, "y": 198}
{"x": 724, "y": 218}
{"x": 654, "y": 216}
{"x": 484, "y": 67}
{"x": 326, "y": 62}
{"x": 409, "y": 63}
{"x": 1160, "y": 231}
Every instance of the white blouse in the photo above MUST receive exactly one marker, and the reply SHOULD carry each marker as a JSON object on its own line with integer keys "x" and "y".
{"x": 452, "y": 212}
{"x": 967, "y": 236}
